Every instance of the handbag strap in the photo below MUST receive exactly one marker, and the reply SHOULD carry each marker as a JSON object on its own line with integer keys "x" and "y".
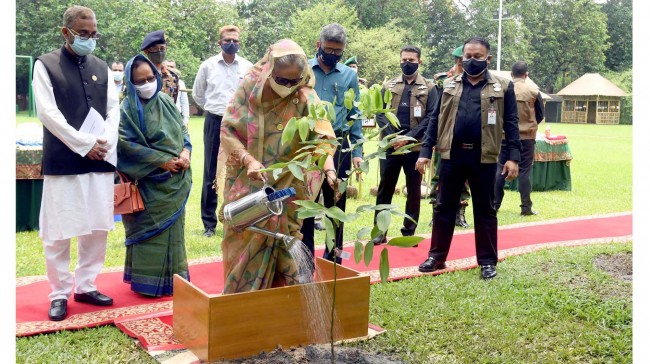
{"x": 124, "y": 178}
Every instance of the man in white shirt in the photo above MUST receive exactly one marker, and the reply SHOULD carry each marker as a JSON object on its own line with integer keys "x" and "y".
{"x": 215, "y": 84}
{"x": 77, "y": 176}
{"x": 118, "y": 77}
{"x": 182, "y": 102}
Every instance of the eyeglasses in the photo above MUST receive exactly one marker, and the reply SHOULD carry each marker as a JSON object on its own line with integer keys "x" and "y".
{"x": 286, "y": 81}
{"x": 85, "y": 36}
{"x": 336, "y": 51}
{"x": 144, "y": 81}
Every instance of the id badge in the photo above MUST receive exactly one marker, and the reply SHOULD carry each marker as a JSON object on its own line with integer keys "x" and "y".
{"x": 417, "y": 111}
{"x": 492, "y": 115}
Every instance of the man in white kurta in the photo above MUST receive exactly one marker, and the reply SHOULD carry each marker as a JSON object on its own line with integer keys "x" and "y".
{"x": 76, "y": 205}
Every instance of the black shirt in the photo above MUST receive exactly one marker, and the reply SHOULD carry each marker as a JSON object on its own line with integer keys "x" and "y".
{"x": 404, "y": 108}
{"x": 468, "y": 117}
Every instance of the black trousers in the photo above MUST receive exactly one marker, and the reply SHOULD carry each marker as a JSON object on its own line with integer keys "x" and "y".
{"x": 524, "y": 179}
{"x": 343, "y": 162}
{"x": 211, "y": 143}
{"x": 465, "y": 165}
{"x": 389, "y": 170}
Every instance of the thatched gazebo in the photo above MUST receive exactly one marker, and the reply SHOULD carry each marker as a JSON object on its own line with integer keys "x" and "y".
{"x": 591, "y": 99}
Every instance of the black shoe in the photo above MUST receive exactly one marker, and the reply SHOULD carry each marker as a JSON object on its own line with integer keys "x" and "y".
{"x": 430, "y": 265}
{"x": 488, "y": 271}
{"x": 460, "y": 217}
{"x": 94, "y": 298}
{"x": 319, "y": 226}
{"x": 379, "y": 239}
{"x": 209, "y": 232}
{"x": 58, "y": 310}
{"x": 529, "y": 213}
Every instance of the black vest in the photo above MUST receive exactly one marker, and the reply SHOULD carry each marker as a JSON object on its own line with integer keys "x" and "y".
{"x": 79, "y": 83}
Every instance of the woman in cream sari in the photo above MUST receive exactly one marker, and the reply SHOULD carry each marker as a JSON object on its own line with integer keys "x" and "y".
{"x": 276, "y": 88}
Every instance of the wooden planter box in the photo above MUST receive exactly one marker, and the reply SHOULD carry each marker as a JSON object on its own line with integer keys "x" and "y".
{"x": 238, "y": 325}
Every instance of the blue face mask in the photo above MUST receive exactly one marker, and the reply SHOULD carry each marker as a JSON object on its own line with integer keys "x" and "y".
{"x": 230, "y": 48}
{"x": 83, "y": 47}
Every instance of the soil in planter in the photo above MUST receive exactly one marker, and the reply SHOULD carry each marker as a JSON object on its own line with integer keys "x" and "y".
{"x": 316, "y": 354}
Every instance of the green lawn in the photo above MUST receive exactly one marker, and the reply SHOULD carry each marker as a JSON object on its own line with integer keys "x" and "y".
{"x": 602, "y": 183}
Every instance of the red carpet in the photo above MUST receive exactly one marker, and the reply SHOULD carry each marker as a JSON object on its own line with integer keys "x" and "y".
{"x": 32, "y": 302}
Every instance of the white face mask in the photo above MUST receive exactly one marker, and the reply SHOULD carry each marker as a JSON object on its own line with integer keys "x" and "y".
{"x": 118, "y": 76}
{"x": 354, "y": 69}
{"x": 282, "y": 91}
{"x": 147, "y": 90}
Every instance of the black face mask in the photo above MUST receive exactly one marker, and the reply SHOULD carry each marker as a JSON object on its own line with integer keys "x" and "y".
{"x": 475, "y": 67}
{"x": 157, "y": 57}
{"x": 330, "y": 60}
{"x": 409, "y": 68}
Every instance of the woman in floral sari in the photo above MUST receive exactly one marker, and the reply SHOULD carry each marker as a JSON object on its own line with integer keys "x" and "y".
{"x": 275, "y": 89}
{"x": 154, "y": 149}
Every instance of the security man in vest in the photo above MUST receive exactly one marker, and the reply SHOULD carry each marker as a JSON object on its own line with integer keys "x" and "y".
{"x": 154, "y": 47}
{"x": 413, "y": 99}
{"x": 457, "y": 69}
{"x": 531, "y": 112}
{"x": 467, "y": 125}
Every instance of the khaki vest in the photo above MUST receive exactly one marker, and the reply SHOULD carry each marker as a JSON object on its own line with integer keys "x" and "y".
{"x": 419, "y": 96}
{"x": 490, "y": 134}
{"x": 169, "y": 82}
{"x": 526, "y": 95}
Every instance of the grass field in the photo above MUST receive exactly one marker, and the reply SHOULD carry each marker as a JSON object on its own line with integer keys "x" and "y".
{"x": 454, "y": 320}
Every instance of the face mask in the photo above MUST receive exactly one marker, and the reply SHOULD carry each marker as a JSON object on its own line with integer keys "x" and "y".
{"x": 118, "y": 76}
{"x": 409, "y": 68}
{"x": 230, "y": 48}
{"x": 157, "y": 57}
{"x": 475, "y": 67}
{"x": 147, "y": 90}
{"x": 282, "y": 91}
{"x": 354, "y": 69}
{"x": 83, "y": 47}
{"x": 330, "y": 60}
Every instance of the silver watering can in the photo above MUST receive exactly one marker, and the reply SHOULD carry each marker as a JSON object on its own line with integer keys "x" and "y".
{"x": 249, "y": 210}
{"x": 257, "y": 207}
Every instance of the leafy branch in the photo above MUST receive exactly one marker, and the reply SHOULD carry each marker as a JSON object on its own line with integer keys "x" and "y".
{"x": 313, "y": 153}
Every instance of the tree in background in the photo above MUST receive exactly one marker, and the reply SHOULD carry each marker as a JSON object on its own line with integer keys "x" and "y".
{"x": 266, "y": 22}
{"x": 191, "y": 28}
{"x": 377, "y": 50}
{"x": 560, "y": 39}
{"x": 619, "y": 28}
{"x": 307, "y": 23}
{"x": 568, "y": 38}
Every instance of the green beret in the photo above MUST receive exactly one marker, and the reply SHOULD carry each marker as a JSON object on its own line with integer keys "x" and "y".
{"x": 351, "y": 60}
{"x": 458, "y": 52}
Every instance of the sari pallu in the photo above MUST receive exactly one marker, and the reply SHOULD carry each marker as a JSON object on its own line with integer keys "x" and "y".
{"x": 150, "y": 135}
{"x": 253, "y": 261}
